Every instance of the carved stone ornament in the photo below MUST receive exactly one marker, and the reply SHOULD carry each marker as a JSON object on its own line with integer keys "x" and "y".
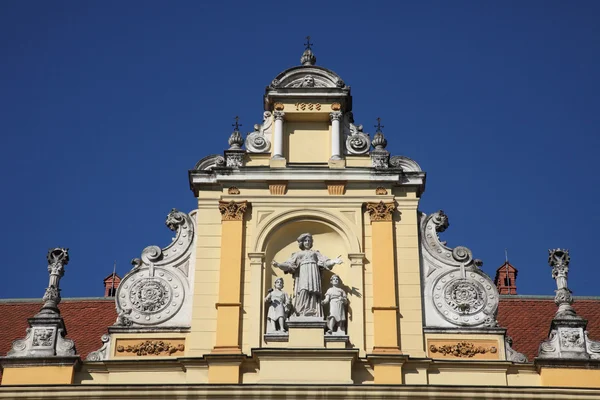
{"x": 308, "y": 77}
{"x": 235, "y": 141}
{"x": 232, "y": 211}
{"x": 45, "y": 336}
{"x": 357, "y": 142}
{"x": 566, "y": 341}
{"x": 380, "y": 159}
{"x": 307, "y": 81}
{"x": 102, "y": 353}
{"x": 462, "y": 349}
{"x": 568, "y": 338}
{"x": 43, "y": 339}
{"x": 512, "y": 354}
{"x": 381, "y": 211}
{"x": 457, "y": 292}
{"x": 381, "y": 191}
{"x": 233, "y": 190}
{"x": 210, "y": 162}
{"x": 592, "y": 347}
{"x": 559, "y": 260}
{"x": 235, "y": 158}
{"x": 57, "y": 259}
{"x": 154, "y": 291}
{"x": 257, "y": 141}
{"x": 151, "y": 348}
{"x": 278, "y": 188}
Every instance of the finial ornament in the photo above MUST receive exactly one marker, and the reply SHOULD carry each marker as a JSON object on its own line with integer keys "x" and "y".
{"x": 237, "y": 124}
{"x": 379, "y": 126}
{"x": 568, "y": 338}
{"x": 308, "y": 57}
{"x": 308, "y": 43}
{"x": 235, "y": 140}
{"x": 57, "y": 259}
{"x": 45, "y": 336}
{"x": 559, "y": 260}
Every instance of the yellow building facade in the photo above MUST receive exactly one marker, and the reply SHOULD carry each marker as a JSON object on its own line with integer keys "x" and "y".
{"x": 241, "y": 303}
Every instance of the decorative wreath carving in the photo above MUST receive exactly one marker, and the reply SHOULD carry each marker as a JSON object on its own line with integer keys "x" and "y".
{"x": 462, "y": 349}
{"x": 151, "y": 348}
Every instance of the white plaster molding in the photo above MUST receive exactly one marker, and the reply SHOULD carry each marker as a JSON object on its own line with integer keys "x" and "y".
{"x": 457, "y": 293}
{"x": 210, "y": 162}
{"x": 157, "y": 292}
{"x": 257, "y": 174}
{"x": 257, "y": 141}
{"x": 407, "y": 164}
{"x": 307, "y": 77}
{"x": 271, "y": 223}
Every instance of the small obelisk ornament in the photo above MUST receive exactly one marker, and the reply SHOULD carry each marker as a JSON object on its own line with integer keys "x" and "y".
{"x": 568, "y": 338}
{"x": 46, "y": 333}
{"x": 559, "y": 260}
{"x": 57, "y": 259}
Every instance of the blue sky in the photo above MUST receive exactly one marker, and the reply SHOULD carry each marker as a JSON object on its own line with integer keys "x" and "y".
{"x": 105, "y": 106}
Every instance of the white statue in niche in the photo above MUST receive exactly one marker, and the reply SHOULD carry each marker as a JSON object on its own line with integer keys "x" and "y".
{"x": 306, "y": 266}
{"x": 337, "y": 300}
{"x": 279, "y": 308}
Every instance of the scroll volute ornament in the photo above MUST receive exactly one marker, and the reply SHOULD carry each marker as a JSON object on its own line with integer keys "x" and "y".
{"x": 381, "y": 211}
{"x": 232, "y": 211}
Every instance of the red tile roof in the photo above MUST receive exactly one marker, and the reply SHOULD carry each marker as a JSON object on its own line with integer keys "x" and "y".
{"x": 528, "y": 318}
{"x": 86, "y": 321}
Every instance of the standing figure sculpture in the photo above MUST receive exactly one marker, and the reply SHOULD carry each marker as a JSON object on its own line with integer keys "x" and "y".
{"x": 337, "y": 300}
{"x": 306, "y": 266}
{"x": 279, "y": 308}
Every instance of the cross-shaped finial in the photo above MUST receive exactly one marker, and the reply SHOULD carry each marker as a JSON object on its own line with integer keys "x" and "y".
{"x": 308, "y": 43}
{"x": 379, "y": 126}
{"x": 237, "y": 123}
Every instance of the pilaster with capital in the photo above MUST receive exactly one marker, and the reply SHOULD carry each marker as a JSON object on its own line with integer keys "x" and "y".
{"x": 229, "y": 305}
{"x": 385, "y": 306}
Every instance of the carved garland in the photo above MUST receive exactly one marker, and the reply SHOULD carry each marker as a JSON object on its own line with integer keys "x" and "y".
{"x": 462, "y": 349}
{"x": 152, "y": 348}
{"x": 232, "y": 211}
{"x": 381, "y": 211}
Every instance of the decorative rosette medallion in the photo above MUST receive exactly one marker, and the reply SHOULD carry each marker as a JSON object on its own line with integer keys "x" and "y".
{"x": 152, "y": 300}
{"x": 457, "y": 292}
{"x": 158, "y": 286}
{"x": 464, "y": 301}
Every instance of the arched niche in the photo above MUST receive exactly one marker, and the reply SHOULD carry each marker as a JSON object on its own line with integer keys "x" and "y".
{"x": 282, "y": 243}
{"x": 277, "y": 239}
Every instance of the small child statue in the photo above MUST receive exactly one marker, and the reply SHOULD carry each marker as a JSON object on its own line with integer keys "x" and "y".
{"x": 337, "y": 300}
{"x": 279, "y": 308}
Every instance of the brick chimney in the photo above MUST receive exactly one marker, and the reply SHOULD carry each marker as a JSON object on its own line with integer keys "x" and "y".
{"x": 506, "y": 279}
{"x": 109, "y": 288}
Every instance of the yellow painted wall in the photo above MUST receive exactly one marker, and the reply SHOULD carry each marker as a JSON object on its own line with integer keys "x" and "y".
{"x": 307, "y": 141}
{"x": 570, "y": 377}
{"x": 408, "y": 271}
{"x": 202, "y": 336}
{"x": 38, "y": 375}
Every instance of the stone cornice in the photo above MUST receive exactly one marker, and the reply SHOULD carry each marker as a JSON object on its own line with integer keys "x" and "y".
{"x": 174, "y": 391}
{"x": 204, "y": 178}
